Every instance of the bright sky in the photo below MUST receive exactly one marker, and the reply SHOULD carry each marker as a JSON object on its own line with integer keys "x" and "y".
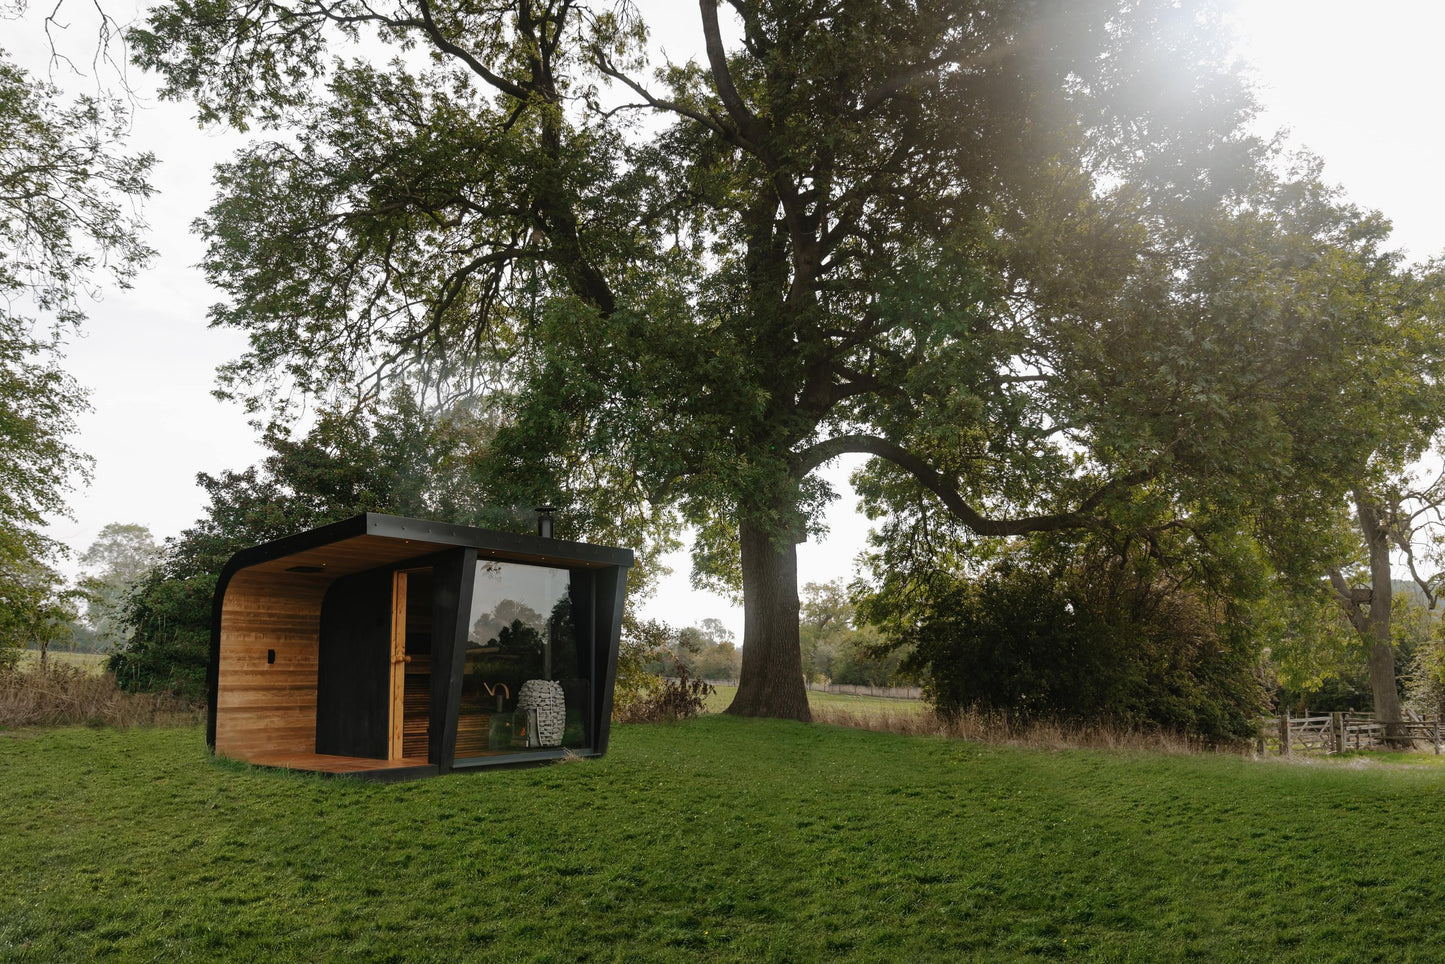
{"x": 1361, "y": 89}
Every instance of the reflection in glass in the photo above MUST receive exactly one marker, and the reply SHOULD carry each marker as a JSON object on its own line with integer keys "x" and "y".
{"x": 525, "y": 684}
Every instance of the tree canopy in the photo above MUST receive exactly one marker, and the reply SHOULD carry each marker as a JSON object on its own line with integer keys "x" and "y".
{"x": 1023, "y": 255}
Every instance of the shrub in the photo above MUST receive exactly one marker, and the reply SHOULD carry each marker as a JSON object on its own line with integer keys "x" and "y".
{"x": 1104, "y": 640}
{"x": 681, "y": 698}
{"x": 1426, "y": 676}
{"x": 722, "y": 661}
{"x": 170, "y": 646}
{"x": 642, "y": 644}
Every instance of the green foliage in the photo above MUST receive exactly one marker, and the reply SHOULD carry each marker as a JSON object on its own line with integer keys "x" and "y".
{"x": 170, "y": 622}
{"x": 1083, "y": 634}
{"x": 710, "y": 649}
{"x": 1317, "y": 658}
{"x": 672, "y": 650}
{"x": 857, "y": 847}
{"x": 1026, "y": 255}
{"x": 1419, "y": 644}
{"x": 650, "y": 648}
{"x": 68, "y": 201}
{"x": 663, "y": 651}
{"x": 1425, "y": 677}
{"x": 677, "y": 698}
{"x": 36, "y": 608}
{"x": 643, "y": 643}
{"x": 836, "y": 649}
{"x": 721, "y": 660}
{"x": 38, "y": 407}
{"x": 1386, "y": 406}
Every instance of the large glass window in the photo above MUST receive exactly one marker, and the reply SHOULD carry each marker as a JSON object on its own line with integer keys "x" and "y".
{"x": 526, "y": 684}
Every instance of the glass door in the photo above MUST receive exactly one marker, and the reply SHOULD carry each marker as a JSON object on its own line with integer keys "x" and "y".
{"x": 527, "y": 668}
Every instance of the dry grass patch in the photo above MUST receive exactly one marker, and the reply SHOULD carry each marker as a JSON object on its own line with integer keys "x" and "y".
{"x": 68, "y": 695}
{"x": 911, "y": 720}
{"x": 916, "y": 718}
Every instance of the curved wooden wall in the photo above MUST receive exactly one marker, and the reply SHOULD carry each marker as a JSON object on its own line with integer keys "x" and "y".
{"x": 263, "y": 707}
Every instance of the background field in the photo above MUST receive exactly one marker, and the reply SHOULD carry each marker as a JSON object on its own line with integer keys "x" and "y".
{"x": 717, "y": 840}
{"x": 859, "y": 705}
{"x": 90, "y": 662}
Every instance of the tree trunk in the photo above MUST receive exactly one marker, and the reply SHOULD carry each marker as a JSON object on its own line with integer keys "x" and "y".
{"x": 771, "y": 681}
{"x": 1382, "y": 653}
{"x": 1382, "y": 684}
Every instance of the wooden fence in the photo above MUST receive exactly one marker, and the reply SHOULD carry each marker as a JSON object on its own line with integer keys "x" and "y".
{"x": 1338, "y": 732}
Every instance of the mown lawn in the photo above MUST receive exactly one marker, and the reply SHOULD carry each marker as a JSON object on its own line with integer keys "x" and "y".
{"x": 717, "y": 840}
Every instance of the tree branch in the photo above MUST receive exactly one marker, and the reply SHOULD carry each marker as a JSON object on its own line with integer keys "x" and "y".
{"x": 717, "y": 60}
{"x": 894, "y": 86}
{"x": 931, "y": 479}
{"x": 429, "y": 26}
{"x": 605, "y": 65}
{"x": 1350, "y": 600}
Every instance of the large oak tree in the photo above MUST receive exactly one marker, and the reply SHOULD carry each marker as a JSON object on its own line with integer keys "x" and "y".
{"x": 1019, "y": 252}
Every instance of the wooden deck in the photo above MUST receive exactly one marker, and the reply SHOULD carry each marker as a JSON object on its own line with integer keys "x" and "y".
{"x": 324, "y": 763}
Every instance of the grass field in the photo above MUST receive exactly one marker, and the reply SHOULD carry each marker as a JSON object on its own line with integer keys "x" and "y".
{"x": 91, "y": 662}
{"x": 860, "y": 705}
{"x": 717, "y": 840}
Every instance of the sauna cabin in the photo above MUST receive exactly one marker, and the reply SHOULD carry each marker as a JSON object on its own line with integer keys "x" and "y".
{"x": 393, "y": 648}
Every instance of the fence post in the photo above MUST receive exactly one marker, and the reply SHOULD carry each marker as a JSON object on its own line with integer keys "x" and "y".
{"x": 1284, "y": 733}
{"x": 1337, "y": 724}
{"x": 1436, "y": 741}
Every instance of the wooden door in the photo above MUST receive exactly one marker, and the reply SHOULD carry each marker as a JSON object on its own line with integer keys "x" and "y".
{"x": 397, "y": 712}
{"x": 411, "y": 635}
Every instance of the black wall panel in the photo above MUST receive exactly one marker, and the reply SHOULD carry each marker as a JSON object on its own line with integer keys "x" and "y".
{"x": 353, "y": 686}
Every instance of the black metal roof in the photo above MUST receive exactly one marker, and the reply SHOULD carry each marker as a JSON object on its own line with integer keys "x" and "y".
{"x": 487, "y": 542}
